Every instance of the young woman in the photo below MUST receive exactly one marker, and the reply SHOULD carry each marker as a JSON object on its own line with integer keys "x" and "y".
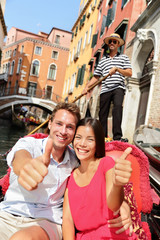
{"x": 95, "y": 188}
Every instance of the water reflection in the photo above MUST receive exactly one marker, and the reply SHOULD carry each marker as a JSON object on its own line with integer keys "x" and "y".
{"x": 8, "y": 137}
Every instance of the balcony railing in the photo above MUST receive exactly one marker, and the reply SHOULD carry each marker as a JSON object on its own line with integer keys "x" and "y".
{"x": 28, "y": 92}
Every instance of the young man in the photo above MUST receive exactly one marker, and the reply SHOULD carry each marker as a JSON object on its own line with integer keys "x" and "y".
{"x": 39, "y": 172}
{"x": 32, "y": 208}
{"x": 113, "y": 87}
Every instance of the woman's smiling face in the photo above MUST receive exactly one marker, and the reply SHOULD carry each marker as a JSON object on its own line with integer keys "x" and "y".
{"x": 85, "y": 143}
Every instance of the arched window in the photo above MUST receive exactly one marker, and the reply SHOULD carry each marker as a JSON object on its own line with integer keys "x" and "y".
{"x": 35, "y": 67}
{"x": 52, "y": 72}
{"x": 12, "y": 68}
{"x": 19, "y": 65}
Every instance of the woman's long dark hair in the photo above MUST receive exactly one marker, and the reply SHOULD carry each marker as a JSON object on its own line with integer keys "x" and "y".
{"x": 98, "y": 133}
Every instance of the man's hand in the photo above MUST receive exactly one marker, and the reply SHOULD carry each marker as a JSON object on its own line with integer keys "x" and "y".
{"x": 123, "y": 221}
{"x": 112, "y": 71}
{"x": 122, "y": 169}
{"x": 34, "y": 171}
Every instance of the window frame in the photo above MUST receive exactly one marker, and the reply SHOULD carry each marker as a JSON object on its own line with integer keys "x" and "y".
{"x": 38, "y": 68}
{"x": 19, "y": 65}
{"x": 50, "y": 77}
{"x": 57, "y": 55}
{"x": 37, "y": 53}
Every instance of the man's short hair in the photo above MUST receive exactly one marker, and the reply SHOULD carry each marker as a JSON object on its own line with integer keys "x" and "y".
{"x": 70, "y": 107}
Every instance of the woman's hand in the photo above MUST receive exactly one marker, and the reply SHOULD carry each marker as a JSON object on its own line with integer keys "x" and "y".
{"x": 122, "y": 169}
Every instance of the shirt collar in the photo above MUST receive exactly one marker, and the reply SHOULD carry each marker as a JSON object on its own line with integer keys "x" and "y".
{"x": 66, "y": 154}
{"x": 117, "y": 54}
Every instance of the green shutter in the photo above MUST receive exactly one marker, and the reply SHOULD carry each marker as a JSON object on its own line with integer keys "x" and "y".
{"x": 94, "y": 40}
{"x": 78, "y": 77}
{"x": 82, "y": 74}
{"x": 84, "y": 17}
{"x": 108, "y": 20}
{"x": 72, "y": 36}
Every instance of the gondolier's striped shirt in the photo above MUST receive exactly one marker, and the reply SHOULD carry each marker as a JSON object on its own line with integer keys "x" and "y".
{"x": 117, "y": 79}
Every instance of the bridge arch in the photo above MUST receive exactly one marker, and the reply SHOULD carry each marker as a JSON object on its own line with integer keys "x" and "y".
{"x": 16, "y": 100}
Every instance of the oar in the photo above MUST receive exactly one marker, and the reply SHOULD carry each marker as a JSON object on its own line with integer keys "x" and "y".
{"x": 92, "y": 86}
{"x": 81, "y": 95}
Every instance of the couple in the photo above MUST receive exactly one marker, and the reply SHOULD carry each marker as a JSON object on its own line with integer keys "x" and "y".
{"x": 32, "y": 208}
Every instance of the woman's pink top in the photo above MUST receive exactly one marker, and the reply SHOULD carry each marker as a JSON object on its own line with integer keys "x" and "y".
{"x": 89, "y": 207}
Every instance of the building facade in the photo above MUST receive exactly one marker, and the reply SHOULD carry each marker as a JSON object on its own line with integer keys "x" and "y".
{"x": 78, "y": 68}
{"x": 3, "y": 33}
{"x": 35, "y": 64}
{"x": 127, "y": 18}
{"x": 143, "y": 95}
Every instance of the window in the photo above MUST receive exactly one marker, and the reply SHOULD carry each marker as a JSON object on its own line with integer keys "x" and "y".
{"x": 122, "y": 31}
{"x": 85, "y": 40}
{"x": 64, "y": 88}
{"x": 79, "y": 46}
{"x": 103, "y": 25}
{"x": 22, "y": 48}
{"x": 54, "y": 54}
{"x": 99, "y": 15}
{"x": 52, "y": 72}
{"x": 35, "y": 67}
{"x": 67, "y": 85}
{"x": 12, "y": 68}
{"x": 69, "y": 58}
{"x": 32, "y": 89}
{"x": 94, "y": 40}
{"x": 80, "y": 75}
{"x": 123, "y": 3}
{"x": 19, "y": 65}
{"x": 82, "y": 21}
{"x": 107, "y": 3}
{"x": 38, "y": 50}
{"x": 8, "y": 54}
{"x": 73, "y": 79}
{"x": 14, "y": 52}
{"x": 90, "y": 33}
{"x": 57, "y": 40}
{"x": 73, "y": 54}
{"x": 111, "y": 14}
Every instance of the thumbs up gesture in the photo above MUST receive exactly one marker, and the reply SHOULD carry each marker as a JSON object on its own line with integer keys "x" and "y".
{"x": 34, "y": 170}
{"x": 122, "y": 169}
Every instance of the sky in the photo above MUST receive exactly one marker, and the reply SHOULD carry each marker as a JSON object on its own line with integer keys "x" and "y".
{"x": 41, "y": 15}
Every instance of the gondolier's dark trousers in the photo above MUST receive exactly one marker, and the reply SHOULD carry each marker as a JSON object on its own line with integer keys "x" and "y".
{"x": 116, "y": 96}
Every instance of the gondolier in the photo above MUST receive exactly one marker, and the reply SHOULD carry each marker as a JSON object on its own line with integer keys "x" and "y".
{"x": 118, "y": 67}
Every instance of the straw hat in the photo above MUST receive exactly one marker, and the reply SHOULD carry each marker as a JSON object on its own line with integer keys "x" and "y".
{"x": 115, "y": 36}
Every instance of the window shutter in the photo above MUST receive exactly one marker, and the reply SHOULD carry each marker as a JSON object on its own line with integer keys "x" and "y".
{"x": 108, "y": 20}
{"x": 84, "y": 17}
{"x": 113, "y": 10}
{"x": 94, "y": 40}
{"x": 72, "y": 36}
{"x": 78, "y": 77}
{"x": 103, "y": 25}
{"x": 82, "y": 74}
{"x": 123, "y": 3}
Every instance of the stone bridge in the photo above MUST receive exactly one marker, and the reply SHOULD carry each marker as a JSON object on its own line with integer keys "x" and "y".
{"x": 6, "y": 103}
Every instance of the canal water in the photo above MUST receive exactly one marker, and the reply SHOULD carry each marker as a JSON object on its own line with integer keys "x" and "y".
{"x": 8, "y": 137}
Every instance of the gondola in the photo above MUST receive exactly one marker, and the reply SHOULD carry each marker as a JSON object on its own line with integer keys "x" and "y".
{"x": 18, "y": 121}
{"x": 147, "y": 138}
